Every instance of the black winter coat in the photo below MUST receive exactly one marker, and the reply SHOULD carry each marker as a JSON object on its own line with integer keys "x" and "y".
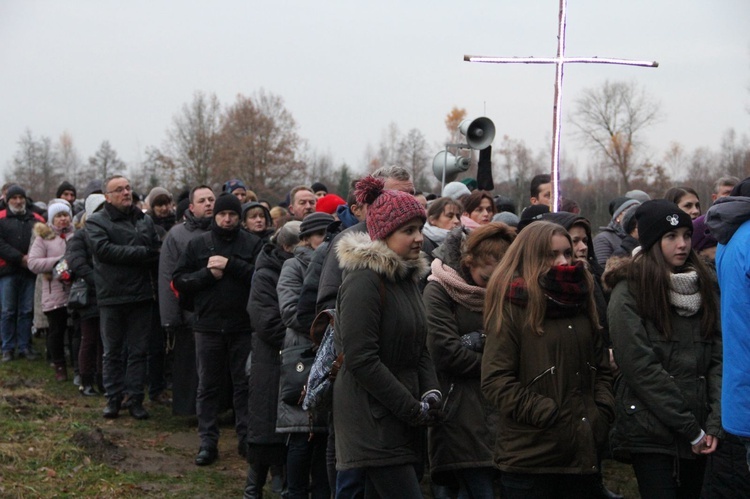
{"x": 126, "y": 253}
{"x": 81, "y": 262}
{"x": 268, "y": 337}
{"x": 15, "y": 239}
{"x": 220, "y": 304}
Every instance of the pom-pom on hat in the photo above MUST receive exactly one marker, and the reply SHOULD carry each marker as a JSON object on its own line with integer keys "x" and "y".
{"x": 329, "y": 203}
{"x": 387, "y": 210}
{"x": 657, "y": 217}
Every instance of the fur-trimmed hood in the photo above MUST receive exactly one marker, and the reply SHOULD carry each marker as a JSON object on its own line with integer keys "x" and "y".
{"x": 46, "y": 232}
{"x": 357, "y": 251}
{"x": 615, "y": 271}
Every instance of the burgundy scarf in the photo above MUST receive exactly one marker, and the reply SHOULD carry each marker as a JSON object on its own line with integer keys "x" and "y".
{"x": 564, "y": 286}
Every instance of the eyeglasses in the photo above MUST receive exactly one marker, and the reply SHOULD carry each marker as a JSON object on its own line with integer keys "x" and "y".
{"x": 120, "y": 190}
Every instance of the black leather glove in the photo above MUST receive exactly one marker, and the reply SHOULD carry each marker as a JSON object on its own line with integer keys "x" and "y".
{"x": 474, "y": 341}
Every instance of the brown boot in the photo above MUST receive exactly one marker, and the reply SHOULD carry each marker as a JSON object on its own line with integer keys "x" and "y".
{"x": 61, "y": 373}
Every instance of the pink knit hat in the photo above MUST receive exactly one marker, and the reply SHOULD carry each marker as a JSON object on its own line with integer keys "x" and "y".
{"x": 386, "y": 210}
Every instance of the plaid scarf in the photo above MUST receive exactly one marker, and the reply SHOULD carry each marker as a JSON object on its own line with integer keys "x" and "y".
{"x": 564, "y": 286}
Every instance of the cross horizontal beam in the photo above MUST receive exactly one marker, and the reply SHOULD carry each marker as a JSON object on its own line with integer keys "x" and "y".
{"x": 555, "y": 60}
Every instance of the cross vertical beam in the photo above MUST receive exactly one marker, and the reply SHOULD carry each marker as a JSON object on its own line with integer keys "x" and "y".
{"x": 559, "y": 63}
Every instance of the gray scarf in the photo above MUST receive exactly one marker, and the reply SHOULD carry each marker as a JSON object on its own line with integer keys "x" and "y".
{"x": 684, "y": 294}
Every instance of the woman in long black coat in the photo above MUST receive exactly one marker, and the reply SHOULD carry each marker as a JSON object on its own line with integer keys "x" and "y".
{"x": 266, "y": 447}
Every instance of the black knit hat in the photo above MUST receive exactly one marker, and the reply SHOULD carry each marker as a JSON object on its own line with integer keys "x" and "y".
{"x": 656, "y": 218}
{"x": 319, "y": 186}
{"x": 315, "y": 222}
{"x": 65, "y": 186}
{"x": 14, "y": 190}
{"x": 229, "y": 202}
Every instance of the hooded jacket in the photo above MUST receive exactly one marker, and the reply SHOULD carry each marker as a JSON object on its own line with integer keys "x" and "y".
{"x": 669, "y": 389}
{"x": 610, "y": 237}
{"x": 265, "y": 235}
{"x": 268, "y": 339}
{"x": 729, "y": 222}
{"x": 49, "y": 247}
{"x": 291, "y": 418}
{"x": 387, "y": 366}
{"x": 460, "y": 441}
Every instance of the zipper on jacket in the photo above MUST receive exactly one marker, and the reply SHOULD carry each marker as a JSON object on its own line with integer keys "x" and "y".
{"x": 551, "y": 370}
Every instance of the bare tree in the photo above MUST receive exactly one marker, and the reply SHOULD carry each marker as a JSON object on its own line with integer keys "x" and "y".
{"x": 36, "y": 167}
{"x": 258, "y": 143}
{"x": 413, "y": 156}
{"x": 156, "y": 170}
{"x": 611, "y": 119}
{"x": 192, "y": 140}
{"x": 71, "y": 166}
{"x": 105, "y": 163}
{"x": 734, "y": 156}
{"x": 675, "y": 161}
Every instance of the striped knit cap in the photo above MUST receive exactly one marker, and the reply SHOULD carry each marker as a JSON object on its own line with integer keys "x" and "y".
{"x": 386, "y": 210}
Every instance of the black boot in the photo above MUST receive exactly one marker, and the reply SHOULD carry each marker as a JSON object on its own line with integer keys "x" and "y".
{"x": 251, "y": 484}
{"x": 135, "y": 407}
{"x": 112, "y": 409}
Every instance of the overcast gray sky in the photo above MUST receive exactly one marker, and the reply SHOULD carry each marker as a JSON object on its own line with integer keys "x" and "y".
{"x": 119, "y": 71}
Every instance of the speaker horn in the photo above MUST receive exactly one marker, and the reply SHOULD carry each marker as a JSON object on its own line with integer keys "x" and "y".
{"x": 479, "y": 133}
{"x": 453, "y": 165}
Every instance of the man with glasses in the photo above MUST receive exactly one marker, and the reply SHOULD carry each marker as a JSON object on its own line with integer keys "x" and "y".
{"x": 126, "y": 254}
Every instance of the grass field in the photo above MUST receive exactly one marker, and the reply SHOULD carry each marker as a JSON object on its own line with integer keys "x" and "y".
{"x": 54, "y": 443}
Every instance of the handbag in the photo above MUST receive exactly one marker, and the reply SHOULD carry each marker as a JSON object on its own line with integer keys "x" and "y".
{"x": 79, "y": 294}
{"x": 319, "y": 389}
{"x": 295, "y": 368}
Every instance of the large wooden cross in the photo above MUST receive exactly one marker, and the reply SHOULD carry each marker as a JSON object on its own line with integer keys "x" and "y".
{"x": 559, "y": 62}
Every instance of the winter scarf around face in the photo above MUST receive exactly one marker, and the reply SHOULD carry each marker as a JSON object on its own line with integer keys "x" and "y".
{"x": 472, "y": 297}
{"x": 435, "y": 234}
{"x": 564, "y": 286}
{"x": 684, "y": 294}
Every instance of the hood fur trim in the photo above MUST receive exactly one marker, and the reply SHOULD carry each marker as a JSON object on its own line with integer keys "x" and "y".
{"x": 615, "y": 271}
{"x": 44, "y": 231}
{"x": 357, "y": 251}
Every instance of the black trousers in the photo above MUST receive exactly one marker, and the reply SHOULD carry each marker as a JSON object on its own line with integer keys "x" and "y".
{"x": 661, "y": 476}
{"x": 213, "y": 352}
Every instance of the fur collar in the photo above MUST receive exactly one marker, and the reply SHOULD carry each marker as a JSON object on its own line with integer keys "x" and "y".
{"x": 357, "y": 251}
{"x": 44, "y": 231}
{"x": 615, "y": 271}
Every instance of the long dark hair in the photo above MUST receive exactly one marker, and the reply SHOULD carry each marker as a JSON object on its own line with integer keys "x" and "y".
{"x": 649, "y": 275}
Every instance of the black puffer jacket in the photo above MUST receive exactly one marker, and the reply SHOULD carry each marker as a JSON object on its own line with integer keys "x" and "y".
{"x": 220, "y": 304}
{"x": 126, "y": 254}
{"x": 15, "y": 239}
{"x": 268, "y": 337}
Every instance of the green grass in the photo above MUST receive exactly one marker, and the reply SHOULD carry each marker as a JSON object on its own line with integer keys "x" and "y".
{"x": 54, "y": 443}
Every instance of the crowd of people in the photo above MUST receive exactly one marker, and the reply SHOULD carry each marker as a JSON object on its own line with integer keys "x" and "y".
{"x": 499, "y": 354}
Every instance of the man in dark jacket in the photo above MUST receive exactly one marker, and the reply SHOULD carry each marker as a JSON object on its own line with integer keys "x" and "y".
{"x": 176, "y": 321}
{"x": 16, "y": 280}
{"x": 125, "y": 248}
{"x": 216, "y": 271}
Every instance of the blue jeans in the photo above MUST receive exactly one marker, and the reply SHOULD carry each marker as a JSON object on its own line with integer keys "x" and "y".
{"x": 17, "y": 298}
